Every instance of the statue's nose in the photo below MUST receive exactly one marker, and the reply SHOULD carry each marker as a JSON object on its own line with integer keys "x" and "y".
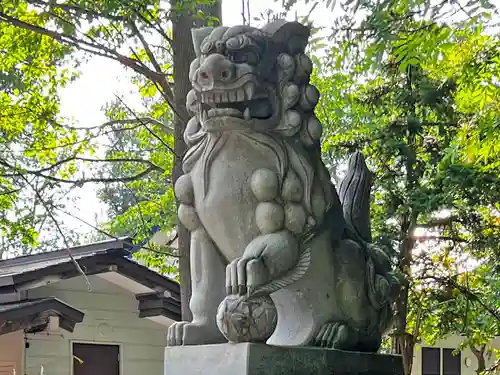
{"x": 215, "y": 69}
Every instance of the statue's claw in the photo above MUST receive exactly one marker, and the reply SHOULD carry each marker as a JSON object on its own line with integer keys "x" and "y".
{"x": 243, "y": 275}
{"x": 335, "y": 335}
{"x": 191, "y": 333}
{"x": 175, "y": 334}
{"x": 339, "y": 335}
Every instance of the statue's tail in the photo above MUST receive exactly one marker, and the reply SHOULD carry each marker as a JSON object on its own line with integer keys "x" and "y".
{"x": 354, "y": 193}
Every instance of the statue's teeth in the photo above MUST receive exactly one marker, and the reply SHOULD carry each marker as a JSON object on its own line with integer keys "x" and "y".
{"x": 241, "y": 95}
{"x": 232, "y": 96}
{"x": 224, "y": 97}
{"x": 207, "y": 98}
{"x": 246, "y": 114}
{"x": 217, "y": 98}
{"x": 249, "y": 91}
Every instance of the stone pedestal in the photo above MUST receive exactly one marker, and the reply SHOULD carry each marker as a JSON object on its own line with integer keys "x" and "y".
{"x": 259, "y": 359}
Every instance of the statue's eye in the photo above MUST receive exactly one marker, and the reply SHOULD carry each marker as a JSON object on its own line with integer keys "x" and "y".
{"x": 234, "y": 43}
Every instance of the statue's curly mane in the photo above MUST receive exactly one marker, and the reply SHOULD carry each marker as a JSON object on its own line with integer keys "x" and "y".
{"x": 293, "y": 135}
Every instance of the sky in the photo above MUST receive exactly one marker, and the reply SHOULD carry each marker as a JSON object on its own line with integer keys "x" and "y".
{"x": 102, "y": 79}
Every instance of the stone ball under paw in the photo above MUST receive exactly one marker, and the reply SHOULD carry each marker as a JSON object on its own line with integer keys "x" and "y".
{"x": 247, "y": 319}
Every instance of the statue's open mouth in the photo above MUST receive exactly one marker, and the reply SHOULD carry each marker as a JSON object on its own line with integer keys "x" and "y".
{"x": 249, "y": 102}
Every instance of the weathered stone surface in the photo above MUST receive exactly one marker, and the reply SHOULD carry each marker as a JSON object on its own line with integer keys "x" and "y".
{"x": 270, "y": 236}
{"x": 259, "y": 359}
{"x": 242, "y": 319}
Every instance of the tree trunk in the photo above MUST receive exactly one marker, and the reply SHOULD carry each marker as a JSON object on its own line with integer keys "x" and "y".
{"x": 481, "y": 361}
{"x": 183, "y": 54}
{"x": 405, "y": 341}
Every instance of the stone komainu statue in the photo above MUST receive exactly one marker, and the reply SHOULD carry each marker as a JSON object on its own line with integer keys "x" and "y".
{"x": 277, "y": 255}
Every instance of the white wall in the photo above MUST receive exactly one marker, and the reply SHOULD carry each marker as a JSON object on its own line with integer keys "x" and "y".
{"x": 111, "y": 316}
{"x": 468, "y": 359}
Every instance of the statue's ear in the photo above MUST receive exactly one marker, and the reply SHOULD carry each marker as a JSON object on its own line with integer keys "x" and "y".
{"x": 294, "y": 35}
{"x": 199, "y": 36}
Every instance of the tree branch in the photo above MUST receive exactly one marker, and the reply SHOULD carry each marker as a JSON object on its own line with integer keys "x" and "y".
{"x": 93, "y": 48}
{"x": 113, "y": 236}
{"x": 141, "y": 120}
{"x": 466, "y": 292}
{"x": 439, "y": 238}
{"x": 155, "y": 26}
{"x": 164, "y": 84}
{"x": 148, "y": 129}
{"x": 438, "y": 222}
{"x": 76, "y": 9}
{"x": 40, "y": 173}
{"x": 58, "y": 227}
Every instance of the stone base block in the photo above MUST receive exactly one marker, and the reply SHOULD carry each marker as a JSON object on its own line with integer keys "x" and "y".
{"x": 260, "y": 359}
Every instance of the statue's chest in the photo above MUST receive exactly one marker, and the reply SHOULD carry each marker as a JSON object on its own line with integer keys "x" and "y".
{"x": 223, "y": 197}
{"x": 226, "y": 177}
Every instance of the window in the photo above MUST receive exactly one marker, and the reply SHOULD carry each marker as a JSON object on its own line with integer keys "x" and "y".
{"x": 95, "y": 359}
{"x": 437, "y": 361}
{"x": 431, "y": 361}
{"x": 451, "y": 363}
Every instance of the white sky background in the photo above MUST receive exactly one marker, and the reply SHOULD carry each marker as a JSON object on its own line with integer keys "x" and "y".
{"x": 101, "y": 79}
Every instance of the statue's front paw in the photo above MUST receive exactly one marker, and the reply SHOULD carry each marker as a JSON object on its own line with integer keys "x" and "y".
{"x": 190, "y": 333}
{"x": 243, "y": 275}
{"x": 334, "y": 335}
{"x": 175, "y": 334}
{"x": 339, "y": 335}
